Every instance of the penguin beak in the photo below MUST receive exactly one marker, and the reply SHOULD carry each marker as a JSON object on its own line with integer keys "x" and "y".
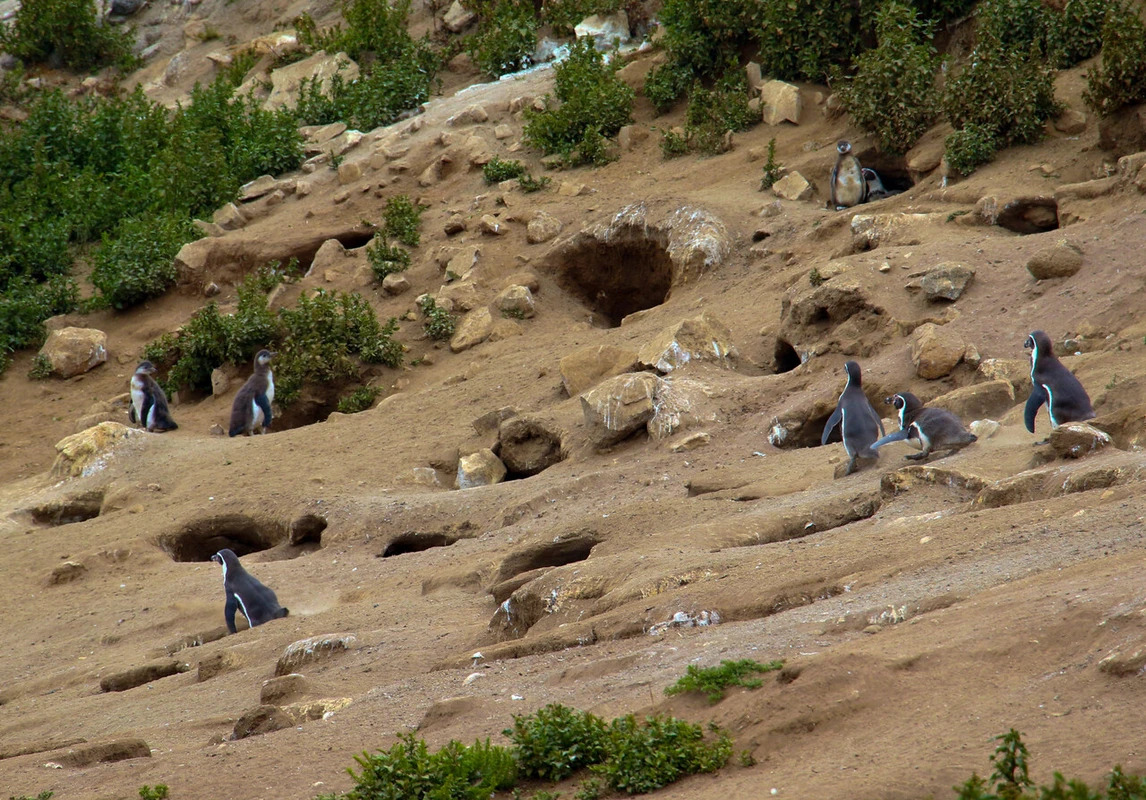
{"x": 217, "y": 559}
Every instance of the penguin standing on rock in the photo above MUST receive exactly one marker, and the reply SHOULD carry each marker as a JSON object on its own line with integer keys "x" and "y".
{"x": 251, "y": 410}
{"x": 929, "y": 428}
{"x": 1052, "y": 383}
{"x": 848, "y": 185}
{"x": 148, "y": 402}
{"x": 859, "y": 423}
{"x": 244, "y": 593}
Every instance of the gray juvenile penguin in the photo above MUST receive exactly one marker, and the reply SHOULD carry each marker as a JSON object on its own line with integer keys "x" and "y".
{"x": 859, "y": 423}
{"x": 148, "y": 402}
{"x": 932, "y": 428}
{"x": 251, "y": 410}
{"x": 1053, "y": 384}
{"x": 244, "y": 593}
{"x": 848, "y": 186}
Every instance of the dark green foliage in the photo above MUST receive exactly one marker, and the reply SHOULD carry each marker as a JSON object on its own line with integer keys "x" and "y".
{"x": 590, "y": 789}
{"x": 41, "y": 368}
{"x": 1013, "y": 25}
{"x": 456, "y": 772}
{"x": 802, "y": 39}
{"x": 969, "y": 147}
{"x": 1121, "y": 78}
{"x": 773, "y": 169}
{"x": 359, "y": 400}
{"x": 673, "y": 145}
{"x": 556, "y": 741}
{"x": 645, "y": 756}
{"x": 439, "y": 323}
{"x": 402, "y": 218}
{"x": 44, "y": 795}
{"x": 893, "y": 92}
{"x": 594, "y": 104}
{"x": 25, "y": 305}
{"x": 712, "y": 113}
{"x": 665, "y": 84}
{"x": 815, "y": 278}
{"x": 527, "y": 183}
{"x": 702, "y": 36}
{"x": 506, "y": 38}
{"x": 943, "y": 10}
{"x": 157, "y": 792}
{"x": 1010, "y": 759}
{"x": 372, "y": 26}
{"x": 713, "y": 681}
{"x": 386, "y": 259}
{"x": 67, "y": 31}
{"x": 497, "y": 170}
{"x": 1076, "y": 33}
{"x": 136, "y": 261}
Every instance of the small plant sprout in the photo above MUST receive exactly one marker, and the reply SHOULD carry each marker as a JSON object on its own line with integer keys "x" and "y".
{"x": 714, "y": 681}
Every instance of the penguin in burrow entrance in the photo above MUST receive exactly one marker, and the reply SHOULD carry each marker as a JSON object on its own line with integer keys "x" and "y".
{"x": 932, "y": 428}
{"x": 258, "y": 603}
{"x": 848, "y": 185}
{"x": 860, "y": 424}
{"x": 148, "y": 402}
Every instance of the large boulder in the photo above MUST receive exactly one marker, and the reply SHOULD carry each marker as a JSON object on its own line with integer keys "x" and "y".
{"x": 781, "y": 102}
{"x": 1077, "y": 439}
{"x": 86, "y": 452}
{"x": 703, "y": 338}
{"x": 316, "y": 648}
{"x": 528, "y": 445}
{"x": 482, "y": 468}
{"x": 936, "y": 350}
{"x": 946, "y": 281}
{"x": 989, "y": 399}
{"x": 1060, "y": 260}
{"x": 542, "y": 227}
{"x": 74, "y": 351}
{"x": 584, "y": 368}
{"x": 458, "y": 18}
{"x": 619, "y": 407}
{"x": 515, "y": 301}
{"x": 321, "y": 68}
{"x": 474, "y": 329}
{"x": 793, "y": 186}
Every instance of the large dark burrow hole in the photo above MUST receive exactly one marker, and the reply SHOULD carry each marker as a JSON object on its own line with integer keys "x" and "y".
{"x": 891, "y": 170}
{"x": 566, "y": 550}
{"x": 809, "y": 432}
{"x": 1029, "y": 215}
{"x": 784, "y": 357}
{"x": 617, "y": 279}
{"x": 201, "y": 539}
{"x": 350, "y": 240}
{"x": 65, "y": 512}
{"x": 414, "y": 542}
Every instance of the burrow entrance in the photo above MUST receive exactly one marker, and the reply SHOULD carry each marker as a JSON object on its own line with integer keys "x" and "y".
{"x": 784, "y": 357}
{"x": 892, "y": 170}
{"x": 615, "y": 279}
{"x": 1030, "y": 215}
{"x": 418, "y": 541}
{"x": 567, "y": 550}
{"x": 68, "y": 511}
{"x": 243, "y": 534}
{"x": 528, "y": 446}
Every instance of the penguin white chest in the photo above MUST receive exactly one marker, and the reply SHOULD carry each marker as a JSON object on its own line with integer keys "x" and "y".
{"x": 137, "y": 395}
{"x": 257, "y": 415}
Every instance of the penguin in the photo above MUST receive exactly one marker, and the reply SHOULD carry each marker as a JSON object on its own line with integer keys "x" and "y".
{"x": 244, "y": 593}
{"x": 1053, "y": 384}
{"x": 873, "y": 186}
{"x": 859, "y": 423}
{"x": 848, "y": 186}
{"x": 930, "y": 428}
{"x": 148, "y": 402}
{"x": 252, "y": 407}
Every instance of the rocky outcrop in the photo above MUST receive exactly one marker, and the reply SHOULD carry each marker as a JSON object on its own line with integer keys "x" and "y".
{"x": 781, "y": 102}
{"x": 84, "y": 453}
{"x": 618, "y": 407}
{"x": 945, "y": 281}
{"x": 936, "y": 350}
{"x": 515, "y": 301}
{"x": 316, "y": 648}
{"x": 74, "y": 351}
{"x": 103, "y": 753}
{"x": 482, "y": 468}
{"x": 320, "y": 68}
{"x": 1077, "y": 439}
{"x": 584, "y": 368}
{"x": 703, "y": 338}
{"x": 989, "y": 399}
{"x": 529, "y": 445}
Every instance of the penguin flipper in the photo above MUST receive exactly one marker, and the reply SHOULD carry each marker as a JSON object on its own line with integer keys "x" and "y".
{"x": 229, "y": 613}
{"x": 265, "y": 406}
{"x": 131, "y": 414}
{"x": 1034, "y": 403}
{"x": 145, "y": 411}
{"x": 832, "y": 422}
{"x": 898, "y": 436}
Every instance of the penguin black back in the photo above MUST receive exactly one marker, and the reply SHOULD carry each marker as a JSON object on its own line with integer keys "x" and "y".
{"x": 932, "y": 428}
{"x": 847, "y": 184}
{"x": 1055, "y": 385}
{"x": 148, "y": 402}
{"x": 251, "y": 410}
{"x": 245, "y": 593}
{"x": 859, "y": 423}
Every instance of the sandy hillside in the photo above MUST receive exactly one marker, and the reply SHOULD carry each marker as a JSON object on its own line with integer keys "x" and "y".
{"x": 919, "y": 610}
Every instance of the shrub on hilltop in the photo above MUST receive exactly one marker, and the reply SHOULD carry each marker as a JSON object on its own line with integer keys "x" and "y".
{"x": 1120, "y": 80}
{"x": 67, "y": 33}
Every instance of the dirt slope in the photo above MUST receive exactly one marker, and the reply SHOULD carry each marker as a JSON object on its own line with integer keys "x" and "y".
{"x": 919, "y": 613}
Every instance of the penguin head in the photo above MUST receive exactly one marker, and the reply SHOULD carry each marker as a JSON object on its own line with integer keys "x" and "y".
{"x": 225, "y": 557}
{"x": 264, "y": 357}
{"x": 852, "y": 370}
{"x": 1039, "y": 344}
{"x": 145, "y": 368}
{"x": 843, "y": 147}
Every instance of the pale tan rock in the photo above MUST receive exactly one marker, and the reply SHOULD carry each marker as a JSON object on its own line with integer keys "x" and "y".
{"x": 502, "y": 131}
{"x": 66, "y": 573}
{"x": 287, "y": 81}
{"x": 316, "y": 648}
{"x": 229, "y": 217}
{"x": 703, "y": 338}
{"x": 524, "y": 278}
{"x": 629, "y": 136}
{"x": 473, "y": 329}
{"x": 571, "y": 189}
{"x": 470, "y": 115}
{"x": 605, "y": 30}
{"x": 515, "y": 301}
{"x": 936, "y": 350}
{"x": 692, "y": 442}
{"x": 283, "y": 689}
{"x": 793, "y": 186}
{"x": 781, "y": 102}
{"x": 618, "y": 407}
{"x": 984, "y": 428}
{"x": 583, "y": 369}
{"x": 482, "y": 468}
{"x": 219, "y": 382}
{"x": 542, "y": 227}
{"x": 349, "y": 172}
{"x": 74, "y": 351}
{"x": 457, "y": 17}
{"x": 946, "y": 281}
{"x": 330, "y": 256}
{"x": 464, "y": 260}
{"x": 505, "y": 329}
{"x": 490, "y": 225}
{"x": 990, "y": 399}
{"x": 459, "y": 296}
{"x": 395, "y": 283}
{"x": 1071, "y": 122}
{"x": 259, "y": 187}
{"x": 321, "y": 134}
{"x": 1061, "y": 260}
{"x": 1078, "y": 439}
{"x": 754, "y": 76}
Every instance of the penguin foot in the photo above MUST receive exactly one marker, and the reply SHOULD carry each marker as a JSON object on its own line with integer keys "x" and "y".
{"x": 917, "y": 456}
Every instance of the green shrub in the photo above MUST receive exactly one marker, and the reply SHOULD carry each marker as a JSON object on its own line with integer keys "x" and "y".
{"x": 773, "y": 170}
{"x": 594, "y": 104}
{"x": 67, "y": 31}
{"x": 1120, "y": 80}
{"x": 556, "y": 741}
{"x": 157, "y": 792}
{"x": 439, "y": 323}
{"x": 1075, "y": 34}
{"x": 44, "y": 795}
{"x": 673, "y": 145}
{"x": 402, "y": 218}
{"x": 970, "y": 147}
{"x": 24, "y": 305}
{"x": 702, "y": 36}
{"x": 713, "y": 681}
{"x": 376, "y": 27}
{"x": 645, "y": 756}
{"x": 1014, "y": 25}
{"x": 386, "y": 259}
{"x": 712, "y": 113}
{"x": 506, "y": 38}
{"x": 408, "y": 770}
{"x": 893, "y": 92}
{"x": 803, "y": 39}
{"x": 497, "y": 170}
{"x": 943, "y": 10}
{"x": 665, "y": 84}
{"x": 359, "y": 400}
{"x": 527, "y": 183}
{"x": 41, "y": 368}
{"x": 136, "y": 261}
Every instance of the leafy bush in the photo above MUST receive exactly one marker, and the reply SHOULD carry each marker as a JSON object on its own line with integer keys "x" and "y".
{"x": 1121, "y": 78}
{"x": 645, "y": 756}
{"x": 594, "y": 104}
{"x": 702, "y": 36}
{"x": 969, "y": 147}
{"x": 893, "y": 92}
{"x": 41, "y": 368}
{"x": 713, "y": 681}
{"x": 773, "y": 170}
{"x": 665, "y": 83}
{"x": 943, "y": 10}
{"x": 408, "y": 770}
{"x": 69, "y": 31}
{"x": 136, "y": 261}
{"x": 1076, "y": 33}
{"x": 527, "y": 183}
{"x": 1014, "y": 25}
{"x": 556, "y": 741}
{"x": 673, "y": 145}
{"x": 712, "y": 113}
{"x": 157, "y": 792}
{"x": 506, "y": 38}
{"x": 24, "y": 305}
{"x": 497, "y": 170}
{"x": 385, "y": 259}
{"x": 802, "y": 39}
{"x": 439, "y": 323}
{"x": 402, "y": 218}
{"x": 359, "y": 400}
